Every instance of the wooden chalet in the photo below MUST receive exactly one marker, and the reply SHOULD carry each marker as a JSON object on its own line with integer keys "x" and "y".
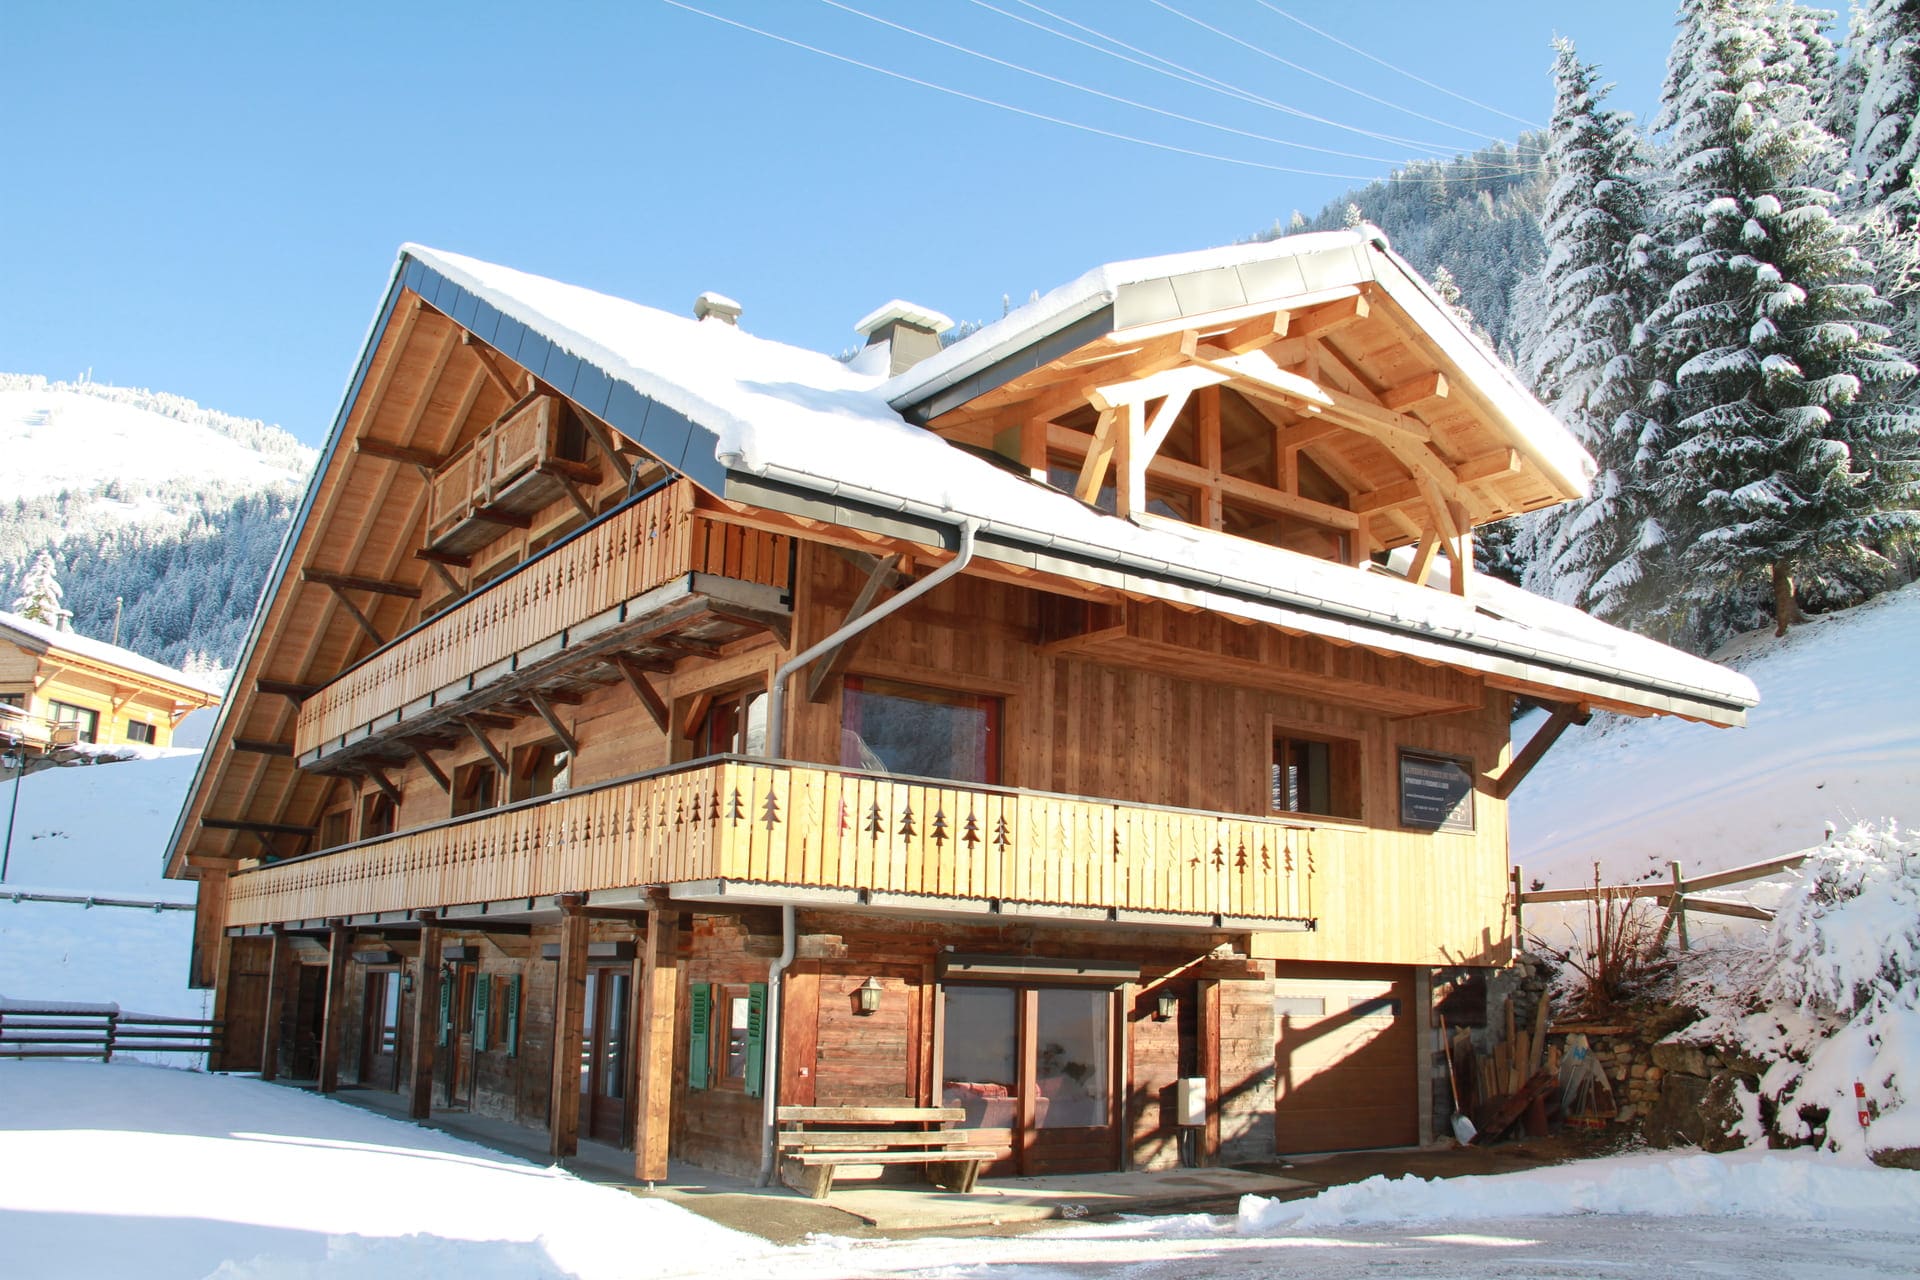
{"x": 649, "y": 724}
{"x": 61, "y": 693}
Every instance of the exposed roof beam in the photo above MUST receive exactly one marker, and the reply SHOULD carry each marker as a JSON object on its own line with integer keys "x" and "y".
{"x": 1332, "y": 316}
{"x": 262, "y": 748}
{"x": 397, "y": 453}
{"x": 427, "y": 762}
{"x": 1182, "y": 381}
{"x": 479, "y": 735}
{"x": 351, "y": 582}
{"x": 286, "y": 689}
{"x": 544, "y": 706}
{"x": 642, "y": 689}
{"x": 268, "y": 828}
{"x": 491, "y": 363}
{"x": 1431, "y": 385}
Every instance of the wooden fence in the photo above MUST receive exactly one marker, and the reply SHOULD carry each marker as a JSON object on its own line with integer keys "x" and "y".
{"x": 98, "y": 1031}
{"x": 638, "y": 548}
{"x": 1675, "y": 894}
{"x": 779, "y": 824}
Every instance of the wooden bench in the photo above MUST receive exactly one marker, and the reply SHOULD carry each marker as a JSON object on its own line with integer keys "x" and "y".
{"x": 815, "y": 1142}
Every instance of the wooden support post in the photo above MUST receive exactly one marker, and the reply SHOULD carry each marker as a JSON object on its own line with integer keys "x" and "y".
{"x": 279, "y": 977}
{"x": 260, "y": 748}
{"x": 1129, "y": 462}
{"x": 479, "y": 735}
{"x": 597, "y": 433}
{"x": 1423, "y": 558}
{"x": 642, "y": 689}
{"x": 1519, "y": 925}
{"x": 1679, "y": 904}
{"x": 544, "y": 706}
{"x": 1208, "y": 993}
{"x": 286, "y": 689}
{"x": 659, "y": 988}
{"x": 425, "y": 1033}
{"x": 1210, "y": 514}
{"x": 334, "y": 1026}
{"x": 434, "y": 771}
{"x": 446, "y": 577}
{"x": 354, "y": 611}
{"x": 820, "y": 681}
{"x": 1510, "y": 778}
{"x": 387, "y": 789}
{"x": 569, "y": 1014}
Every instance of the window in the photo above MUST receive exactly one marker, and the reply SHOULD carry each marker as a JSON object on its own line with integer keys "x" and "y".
{"x": 140, "y": 731}
{"x": 86, "y": 723}
{"x": 474, "y": 788}
{"x": 333, "y": 829}
{"x": 898, "y": 728}
{"x": 13, "y": 699}
{"x": 377, "y": 817}
{"x": 541, "y": 770}
{"x": 726, "y": 1023}
{"x": 1315, "y": 775}
{"x": 735, "y": 1009}
{"x": 733, "y": 724}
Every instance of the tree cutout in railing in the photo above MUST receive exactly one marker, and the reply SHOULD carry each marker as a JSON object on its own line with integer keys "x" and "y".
{"x": 906, "y": 829}
{"x": 875, "y": 824}
{"x": 940, "y": 829}
{"x": 1002, "y": 837}
{"x": 970, "y": 830}
{"x": 680, "y": 812}
{"x": 713, "y": 806}
{"x": 1116, "y": 842}
{"x": 845, "y": 825}
{"x": 1240, "y": 855}
{"x": 736, "y": 808}
{"x": 770, "y": 809}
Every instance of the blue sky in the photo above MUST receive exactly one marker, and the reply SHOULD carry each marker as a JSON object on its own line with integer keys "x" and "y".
{"x": 205, "y": 199}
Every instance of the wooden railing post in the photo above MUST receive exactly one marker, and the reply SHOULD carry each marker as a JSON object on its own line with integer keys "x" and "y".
{"x": 569, "y": 1015}
{"x": 107, "y": 1049}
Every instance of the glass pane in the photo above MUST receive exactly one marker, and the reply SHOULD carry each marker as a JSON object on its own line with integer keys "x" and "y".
{"x": 587, "y": 1023}
{"x": 613, "y": 1059}
{"x": 922, "y": 733}
{"x": 982, "y": 1075}
{"x": 1070, "y": 1067}
{"x": 753, "y": 741}
{"x": 737, "y": 1009}
{"x": 390, "y": 1013}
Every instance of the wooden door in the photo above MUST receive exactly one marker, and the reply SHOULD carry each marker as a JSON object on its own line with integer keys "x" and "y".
{"x": 308, "y": 1014}
{"x": 457, "y": 1038}
{"x": 604, "y": 1059}
{"x": 1034, "y": 1067}
{"x": 1344, "y": 1058}
{"x": 380, "y": 1031}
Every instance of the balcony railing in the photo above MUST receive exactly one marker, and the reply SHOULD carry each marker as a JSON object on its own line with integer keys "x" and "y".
{"x": 586, "y": 583}
{"x": 758, "y": 830}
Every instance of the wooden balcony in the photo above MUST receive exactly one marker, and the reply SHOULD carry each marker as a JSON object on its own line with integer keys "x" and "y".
{"x": 649, "y": 584}
{"x": 741, "y": 830}
{"x": 510, "y": 470}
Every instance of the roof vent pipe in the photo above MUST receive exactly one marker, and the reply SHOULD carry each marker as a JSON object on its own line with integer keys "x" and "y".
{"x": 716, "y": 306}
{"x": 911, "y": 333}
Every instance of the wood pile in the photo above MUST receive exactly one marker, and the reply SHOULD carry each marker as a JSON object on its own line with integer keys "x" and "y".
{"x": 1517, "y": 1082}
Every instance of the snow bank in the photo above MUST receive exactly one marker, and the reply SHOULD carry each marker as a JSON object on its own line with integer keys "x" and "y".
{"x": 1792, "y": 1185}
{"x": 129, "y": 1170}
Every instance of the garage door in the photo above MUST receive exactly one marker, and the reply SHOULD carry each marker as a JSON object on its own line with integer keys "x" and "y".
{"x": 1344, "y": 1058}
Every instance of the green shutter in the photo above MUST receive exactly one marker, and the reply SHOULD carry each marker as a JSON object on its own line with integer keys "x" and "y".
{"x": 699, "y": 1020}
{"x": 446, "y": 1008}
{"x": 482, "y": 1003}
{"x": 513, "y": 1016}
{"x": 756, "y": 1037}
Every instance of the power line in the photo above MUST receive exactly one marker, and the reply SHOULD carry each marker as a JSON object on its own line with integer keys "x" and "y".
{"x": 1294, "y": 66}
{"x": 1472, "y": 102}
{"x": 1173, "y": 70}
{"x": 1016, "y": 110}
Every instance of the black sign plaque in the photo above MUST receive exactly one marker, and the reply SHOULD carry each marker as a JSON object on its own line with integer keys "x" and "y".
{"x": 1436, "y": 793}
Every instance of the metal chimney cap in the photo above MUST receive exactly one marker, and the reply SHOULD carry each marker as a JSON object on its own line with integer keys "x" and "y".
{"x": 902, "y": 312}
{"x": 716, "y": 306}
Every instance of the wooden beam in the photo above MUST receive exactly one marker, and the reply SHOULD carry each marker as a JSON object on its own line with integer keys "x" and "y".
{"x": 387, "y": 789}
{"x": 279, "y": 978}
{"x": 495, "y": 373}
{"x": 397, "y": 453}
{"x": 453, "y": 585}
{"x": 1226, "y": 316}
{"x": 602, "y": 441}
{"x": 1260, "y": 331}
{"x": 569, "y": 1015}
{"x": 333, "y": 1025}
{"x": 543, "y": 704}
{"x": 659, "y": 986}
{"x": 1093, "y": 470}
{"x": 286, "y": 689}
{"x": 1331, "y": 317}
{"x": 1744, "y": 911}
{"x": 453, "y": 558}
{"x": 1129, "y": 469}
{"x": 1501, "y": 462}
{"x": 505, "y": 519}
{"x": 1423, "y": 558}
{"x": 578, "y": 499}
{"x": 1508, "y": 779}
{"x": 434, "y": 771}
{"x": 1460, "y": 554}
{"x": 1181, "y": 380}
{"x": 353, "y": 582}
{"x": 425, "y": 1032}
{"x": 819, "y": 680}
{"x": 261, "y": 748}
{"x": 1431, "y": 385}
{"x": 270, "y": 828}
{"x": 358, "y": 615}
{"x": 642, "y": 689}
{"x": 486, "y": 744}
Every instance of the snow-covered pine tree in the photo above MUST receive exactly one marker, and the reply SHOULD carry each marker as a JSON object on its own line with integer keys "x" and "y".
{"x": 1589, "y": 362}
{"x": 1787, "y": 461}
{"x": 1884, "y": 127}
{"x": 40, "y": 593}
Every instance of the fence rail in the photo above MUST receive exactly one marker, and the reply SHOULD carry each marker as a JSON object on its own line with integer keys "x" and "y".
{"x": 1676, "y": 894}
{"x": 94, "y": 1031}
{"x": 91, "y": 900}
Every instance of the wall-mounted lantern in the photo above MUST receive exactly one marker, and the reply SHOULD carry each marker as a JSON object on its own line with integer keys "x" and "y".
{"x": 868, "y": 996}
{"x": 1166, "y": 1006}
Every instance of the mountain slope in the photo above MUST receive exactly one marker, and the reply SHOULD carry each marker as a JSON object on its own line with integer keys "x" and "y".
{"x": 1835, "y": 740}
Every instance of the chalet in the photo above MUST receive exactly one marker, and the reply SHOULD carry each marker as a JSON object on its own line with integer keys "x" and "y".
{"x": 61, "y": 692}
{"x": 649, "y": 725}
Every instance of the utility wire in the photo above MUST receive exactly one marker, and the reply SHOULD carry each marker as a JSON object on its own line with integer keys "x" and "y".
{"x": 1324, "y": 35}
{"x": 1101, "y": 93}
{"x": 1308, "y": 71}
{"x": 1170, "y": 69}
{"x": 1016, "y": 110}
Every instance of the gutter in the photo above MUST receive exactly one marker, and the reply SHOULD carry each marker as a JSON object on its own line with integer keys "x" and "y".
{"x": 776, "y": 722}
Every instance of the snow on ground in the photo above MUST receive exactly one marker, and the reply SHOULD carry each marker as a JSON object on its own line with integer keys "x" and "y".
{"x": 1835, "y": 740}
{"x": 98, "y": 830}
{"x": 129, "y": 1170}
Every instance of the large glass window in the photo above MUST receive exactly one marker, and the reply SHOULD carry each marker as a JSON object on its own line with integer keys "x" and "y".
{"x": 1070, "y": 1062}
{"x": 541, "y": 770}
{"x": 926, "y": 733}
{"x": 1315, "y": 775}
{"x": 981, "y": 1053}
{"x": 734, "y": 724}
{"x": 86, "y": 723}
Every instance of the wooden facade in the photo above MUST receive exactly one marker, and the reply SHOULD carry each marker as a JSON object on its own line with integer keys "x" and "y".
{"x": 1039, "y": 845}
{"x": 58, "y": 689}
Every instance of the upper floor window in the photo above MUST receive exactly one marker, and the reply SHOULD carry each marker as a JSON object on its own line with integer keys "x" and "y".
{"x": 140, "y": 731}
{"x": 475, "y": 787}
{"x": 334, "y": 828}
{"x": 907, "y": 729}
{"x": 86, "y": 723}
{"x": 1315, "y": 776}
{"x": 541, "y": 770}
{"x": 733, "y": 724}
{"x": 377, "y": 816}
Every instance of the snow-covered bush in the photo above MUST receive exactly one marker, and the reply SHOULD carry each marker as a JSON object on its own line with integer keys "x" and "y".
{"x": 1833, "y": 995}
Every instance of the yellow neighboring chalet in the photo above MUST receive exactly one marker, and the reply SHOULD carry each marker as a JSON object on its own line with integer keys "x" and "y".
{"x": 60, "y": 692}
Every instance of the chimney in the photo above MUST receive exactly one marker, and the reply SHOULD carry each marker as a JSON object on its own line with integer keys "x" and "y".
{"x": 716, "y": 306}
{"x": 911, "y": 333}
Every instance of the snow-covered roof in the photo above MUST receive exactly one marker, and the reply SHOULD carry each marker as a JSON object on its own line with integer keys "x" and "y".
{"x": 775, "y": 425}
{"x": 43, "y": 637}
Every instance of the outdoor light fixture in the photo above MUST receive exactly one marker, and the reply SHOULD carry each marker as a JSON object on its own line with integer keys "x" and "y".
{"x": 406, "y": 982}
{"x": 868, "y": 994}
{"x": 1167, "y": 1005}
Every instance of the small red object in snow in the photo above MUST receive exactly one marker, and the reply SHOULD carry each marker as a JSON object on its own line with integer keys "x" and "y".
{"x": 1860, "y": 1101}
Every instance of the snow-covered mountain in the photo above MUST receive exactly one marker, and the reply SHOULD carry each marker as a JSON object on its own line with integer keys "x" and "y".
{"x": 173, "y": 509}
